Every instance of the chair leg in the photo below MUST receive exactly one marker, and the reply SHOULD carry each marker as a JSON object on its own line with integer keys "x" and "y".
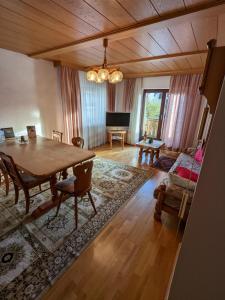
{"x": 16, "y": 193}
{"x": 92, "y": 202}
{"x": 76, "y": 211}
{"x": 27, "y": 197}
{"x": 40, "y": 188}
{"x": 6, "y": 185}
{"x": 59, "y": 203}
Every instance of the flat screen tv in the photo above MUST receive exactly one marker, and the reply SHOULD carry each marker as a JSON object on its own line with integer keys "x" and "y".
{"x": 117, "y": 119}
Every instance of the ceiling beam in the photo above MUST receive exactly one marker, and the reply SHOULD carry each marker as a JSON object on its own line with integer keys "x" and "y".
{"x": 152, "y": 58}
{"x": 189, "y": 14}
{"x": 164, "y": 73}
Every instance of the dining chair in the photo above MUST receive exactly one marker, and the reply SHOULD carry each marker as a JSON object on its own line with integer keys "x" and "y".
{"x": 4, "y": 174}
{"x": 78, "y": 142}
{"x": 57, "y": 136}
{"x": 77, "y": 186}
{"x": 21, "y": 180}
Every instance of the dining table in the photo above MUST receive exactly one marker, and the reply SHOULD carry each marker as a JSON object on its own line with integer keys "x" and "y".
{"x": 45, "y": 158}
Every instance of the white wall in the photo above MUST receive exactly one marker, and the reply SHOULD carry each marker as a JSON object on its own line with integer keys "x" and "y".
{"x": 160, "y": 82}
{"x": 200, "y": 270}
{"x": 28, "y": 94}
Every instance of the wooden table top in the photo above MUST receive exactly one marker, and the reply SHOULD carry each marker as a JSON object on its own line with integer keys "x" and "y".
{"x": 44, "y": 157}
{"x": 155, "y": 145}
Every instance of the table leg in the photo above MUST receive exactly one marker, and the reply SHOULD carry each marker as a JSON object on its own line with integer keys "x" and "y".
{"x": 140, "y": 153}
{"x": 110, "y": 140}
{"x": 152, "y": 153}
{"x": 46, "y": 206}
{"x": 122, "y": 141}
{"x": 53, "y": 181}
{"x": 157, "y": 154}
{"x": 64, "y": 174}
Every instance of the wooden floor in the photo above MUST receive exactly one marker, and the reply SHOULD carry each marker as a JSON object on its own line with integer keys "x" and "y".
{"x": 132, "y": 257}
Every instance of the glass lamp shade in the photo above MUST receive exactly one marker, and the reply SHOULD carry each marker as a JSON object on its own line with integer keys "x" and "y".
{"x": 99, "y": 80}
{"x": 92, "y": 75}
{"x": 103, "y": 74}
{"x": 111, "y": 79}
{"x": 116, "y": 76}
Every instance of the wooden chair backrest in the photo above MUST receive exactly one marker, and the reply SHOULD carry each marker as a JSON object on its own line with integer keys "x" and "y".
{"x": 78, "y": 141}
{"x": 11, "y": 169}
{"x": 83, "y": 173}
{"x": 57, "y": 136}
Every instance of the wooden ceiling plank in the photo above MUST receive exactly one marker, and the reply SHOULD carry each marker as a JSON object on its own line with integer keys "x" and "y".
{"x": 195, "y": 61}
{"x": 149, "y": 43}
{"x": 193, "y": 13}
{"x": 113, "y": 11}
{"x": 171, "y": 64}
{"x": 184, "y": 36}
{"x": 49, "y": 34}
{"x": 135, "y": 47}
{"x": 61, "y": 14}
{"x": 221, "y": 31}
{"x": 5, "y": 44}
{"x": 203, "y": 58}
{"x": 165, "y": 40}
{"x": 124, "y": 50}
{"x": 139, "y": 9}
{"x": 85, "y": 12}
{"x": 205, "y": 30}
{"x": 40, "y": 17}
{"x": 22, "y": 43}
{"x": 163, "y": 6}
{"x": 182, "y": 63}
{"x": 189, "y": 3}
{"x": 23, "y": 33}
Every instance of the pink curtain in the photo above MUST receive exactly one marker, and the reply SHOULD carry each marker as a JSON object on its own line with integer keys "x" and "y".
{"x": 182, "y": 111}
{"x": 111, "y": 97}
{"x": 128, "y": 96}
{"x": 71, "y": 102}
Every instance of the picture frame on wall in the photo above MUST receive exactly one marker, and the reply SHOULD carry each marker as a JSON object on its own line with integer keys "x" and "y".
{"x": 31, "y": 132}
{"x": 8, "y": 132}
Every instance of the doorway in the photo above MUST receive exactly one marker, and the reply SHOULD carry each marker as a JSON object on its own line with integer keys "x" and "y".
{"x": 152, "y": 113}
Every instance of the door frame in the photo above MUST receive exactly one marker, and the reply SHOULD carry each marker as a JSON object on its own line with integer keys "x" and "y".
{"x": 164, "y": 92}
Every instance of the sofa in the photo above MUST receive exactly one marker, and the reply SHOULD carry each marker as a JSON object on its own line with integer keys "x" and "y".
{"x": 169, "y": 195}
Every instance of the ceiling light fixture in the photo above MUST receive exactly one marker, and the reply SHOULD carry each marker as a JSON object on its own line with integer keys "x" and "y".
{"x": 103, "y": 73}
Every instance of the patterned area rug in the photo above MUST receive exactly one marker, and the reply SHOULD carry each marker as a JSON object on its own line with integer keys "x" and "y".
{"x": 164, "y": 163}
{"x": 33, "y": 255}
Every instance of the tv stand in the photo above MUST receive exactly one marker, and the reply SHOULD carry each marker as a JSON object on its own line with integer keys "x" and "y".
{"x": 118, "y": 135}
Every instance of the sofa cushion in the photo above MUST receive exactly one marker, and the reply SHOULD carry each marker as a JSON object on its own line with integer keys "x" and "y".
{"x": 186, "y": 173}
{"x": 188, "y": 162}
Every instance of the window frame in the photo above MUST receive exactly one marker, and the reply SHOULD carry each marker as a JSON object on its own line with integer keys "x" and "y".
{"x": 146, "y": 91}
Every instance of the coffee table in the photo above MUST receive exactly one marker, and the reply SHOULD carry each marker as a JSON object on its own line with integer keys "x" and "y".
{"x": 152, "y": 148}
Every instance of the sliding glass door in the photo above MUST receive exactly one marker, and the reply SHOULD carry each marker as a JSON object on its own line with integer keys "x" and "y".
{"x": 152, "y": 112}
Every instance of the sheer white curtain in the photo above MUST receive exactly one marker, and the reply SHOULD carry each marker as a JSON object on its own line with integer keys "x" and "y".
{"x": 135, "y": 116}
{"x": 93, "y": 104}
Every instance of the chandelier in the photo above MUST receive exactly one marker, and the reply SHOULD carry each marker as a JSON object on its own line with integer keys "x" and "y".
{"x": 103, "y": 73}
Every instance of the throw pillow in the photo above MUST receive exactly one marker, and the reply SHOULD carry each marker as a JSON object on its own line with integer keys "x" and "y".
{"x": 199, "y": 155}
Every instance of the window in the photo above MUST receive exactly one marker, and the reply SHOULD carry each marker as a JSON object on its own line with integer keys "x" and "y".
{"x": 152, "y": 112}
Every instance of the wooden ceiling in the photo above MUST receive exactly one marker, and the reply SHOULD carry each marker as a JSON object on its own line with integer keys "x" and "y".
{"x": 146, "y": 37}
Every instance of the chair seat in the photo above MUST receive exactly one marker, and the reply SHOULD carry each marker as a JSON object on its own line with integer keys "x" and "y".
{"x": 32, "y": 181}
{"x": 67, "y": 185}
